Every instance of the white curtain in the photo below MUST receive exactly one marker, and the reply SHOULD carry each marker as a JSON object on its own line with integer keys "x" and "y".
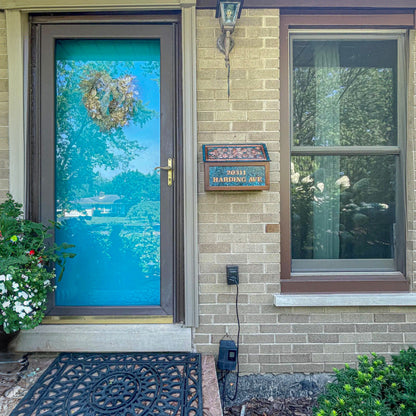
{"x": 327, "y": 133}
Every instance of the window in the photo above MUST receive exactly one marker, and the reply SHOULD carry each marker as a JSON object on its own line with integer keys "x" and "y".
{"x": 345, "y": 195}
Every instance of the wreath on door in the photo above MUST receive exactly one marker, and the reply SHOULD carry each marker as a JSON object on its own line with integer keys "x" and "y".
{"x": 110, "y": 102}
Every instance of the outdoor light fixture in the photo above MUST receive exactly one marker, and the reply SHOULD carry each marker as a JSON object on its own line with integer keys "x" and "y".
{"x": 228, "y": 12}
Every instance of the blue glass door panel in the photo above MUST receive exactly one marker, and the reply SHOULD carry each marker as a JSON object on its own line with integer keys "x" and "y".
{"x": 106, "y": 187}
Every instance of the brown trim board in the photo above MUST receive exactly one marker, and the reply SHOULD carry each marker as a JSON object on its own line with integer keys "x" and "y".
{"x": 331, "y": 4}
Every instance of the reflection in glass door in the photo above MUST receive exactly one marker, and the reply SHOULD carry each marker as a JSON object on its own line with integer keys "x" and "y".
{"x": 107, "y": 191}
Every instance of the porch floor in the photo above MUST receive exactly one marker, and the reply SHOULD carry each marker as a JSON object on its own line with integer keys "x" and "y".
{"x": 18, "y": 372}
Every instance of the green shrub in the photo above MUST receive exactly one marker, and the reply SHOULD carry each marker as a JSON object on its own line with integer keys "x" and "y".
{"x": 374, "y": 388}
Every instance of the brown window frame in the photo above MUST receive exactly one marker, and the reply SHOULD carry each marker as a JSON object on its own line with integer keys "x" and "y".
{"x": 321, "y": 282}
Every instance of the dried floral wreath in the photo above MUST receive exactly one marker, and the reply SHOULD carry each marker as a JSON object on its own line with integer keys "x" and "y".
{"x": 110, "y": 102}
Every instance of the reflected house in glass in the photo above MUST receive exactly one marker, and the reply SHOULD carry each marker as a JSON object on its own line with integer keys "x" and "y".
{"x": 109, "y": 205}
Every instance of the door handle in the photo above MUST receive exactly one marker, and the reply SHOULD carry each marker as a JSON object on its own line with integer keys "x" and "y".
{"x": 170, "y": 169}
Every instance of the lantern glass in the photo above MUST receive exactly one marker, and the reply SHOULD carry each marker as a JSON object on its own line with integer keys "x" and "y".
{"x": 229, "y": 13}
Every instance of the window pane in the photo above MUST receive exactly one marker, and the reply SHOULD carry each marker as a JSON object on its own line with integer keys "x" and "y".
{"x": 343, "y": 207}
{"x": 107, "y": 192}
{"x": 344, "y": 93}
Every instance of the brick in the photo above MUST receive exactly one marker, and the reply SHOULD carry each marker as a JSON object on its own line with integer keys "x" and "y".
{"x": 373, "y": 347}
{"x": 307, "y": 348}
{"x": 207, "y": 298}
{"x": 4, "y": 85}
{"x": 295, "y": 358}
{"x": 277, "y": 368}
{"x": 307, "y": 328}
{"x": 371, "y": 328}
{"x": 275, "y": 328}
{"x": 357, "y": 317}
{"x": 402, "y": 327}
{"x": 337, "y": 328}
{"x": 275, "y": 348}
{"x": 260, "y": 318}
{"x": 247, "y": 126}
{"x": 325, "y": 318}
{"x": 308, "y": 368}
{"x": 258, "y": 338}
{"x": 389, "y": 337}
{"x": 326, "y": 338}
{"x": 230, "y": 298}
{"x": 250, "y": 349}
{"x": 389, "y": 317}
{"x": 327, "y": 358}
{"x": 215, "y": 248}
{"x": 264, "y": 359}
{"x": 206, "y": 319}
{"x": 213, "y": 329}
{"x": 339, "y": 348}
{"x": 293, "y": 318}
{"x": 292, "y": 338}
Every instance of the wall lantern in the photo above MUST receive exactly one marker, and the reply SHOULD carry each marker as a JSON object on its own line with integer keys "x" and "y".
{"x": 228, "y": 12}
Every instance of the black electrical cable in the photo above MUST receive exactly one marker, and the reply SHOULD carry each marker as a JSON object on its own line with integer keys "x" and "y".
{"x": 225, "y": 373}
{"x": 238, "y": 348}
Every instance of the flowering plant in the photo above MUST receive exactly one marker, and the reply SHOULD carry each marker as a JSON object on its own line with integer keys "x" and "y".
{"x": 26, "y": 268}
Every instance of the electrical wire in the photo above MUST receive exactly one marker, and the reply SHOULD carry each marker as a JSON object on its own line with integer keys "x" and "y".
{"x": 238, "y": 348}
{"x": 226, "y": 373}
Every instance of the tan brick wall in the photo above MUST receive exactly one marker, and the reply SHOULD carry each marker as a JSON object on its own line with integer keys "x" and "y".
{"x": 4, "y": 96}
{"x": 232, "y": 225}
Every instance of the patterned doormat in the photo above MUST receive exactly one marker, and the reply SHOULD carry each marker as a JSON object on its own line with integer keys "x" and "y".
{"x": 117, "y": 384}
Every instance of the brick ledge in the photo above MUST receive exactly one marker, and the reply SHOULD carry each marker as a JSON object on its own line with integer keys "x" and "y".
{"x": 365, "y": 299}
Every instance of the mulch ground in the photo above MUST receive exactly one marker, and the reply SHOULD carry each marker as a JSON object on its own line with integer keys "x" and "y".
{"x": 278, "y": 407}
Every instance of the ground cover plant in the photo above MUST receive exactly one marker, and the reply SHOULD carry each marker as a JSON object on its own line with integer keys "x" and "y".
{"x": 374, "y": 388}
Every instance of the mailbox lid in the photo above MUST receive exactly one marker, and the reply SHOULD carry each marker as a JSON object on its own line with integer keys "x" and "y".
{"x": 245, "y": 152}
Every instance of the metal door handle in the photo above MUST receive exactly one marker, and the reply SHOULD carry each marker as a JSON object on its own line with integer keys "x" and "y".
{"x": 169, "y": 168}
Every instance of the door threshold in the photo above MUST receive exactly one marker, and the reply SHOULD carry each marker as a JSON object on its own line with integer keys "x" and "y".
{"x": 104, "y": 338}
{"x": 108, "y": 319}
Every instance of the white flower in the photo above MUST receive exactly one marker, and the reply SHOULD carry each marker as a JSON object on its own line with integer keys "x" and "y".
{"x": 2, "y": 288}
{"x": 295, "y": 177}
{"x": 343, "y": 182}
{"x": 2, "y": 278}
{"x": 25, "y": 278}
{"x": 9, "y": 277}
{"x": 18, "y": 307}
{"x": 15, "y": 286}
{"x": 27, "y": 309}
{"x": 320, "y": 186}
{"x": 6, "y": 304}
{"x": 23, "y": 295}
{"x": 307, "y": 179}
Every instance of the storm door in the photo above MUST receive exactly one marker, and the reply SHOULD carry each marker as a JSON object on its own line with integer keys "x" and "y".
{"x": 107, "y": 164}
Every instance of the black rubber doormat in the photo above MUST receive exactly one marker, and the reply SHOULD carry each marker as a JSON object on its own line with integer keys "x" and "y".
{"x": 117, "y": 384}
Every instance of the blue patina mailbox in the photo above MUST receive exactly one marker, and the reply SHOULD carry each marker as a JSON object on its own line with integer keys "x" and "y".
{"x": 236, "y": 167}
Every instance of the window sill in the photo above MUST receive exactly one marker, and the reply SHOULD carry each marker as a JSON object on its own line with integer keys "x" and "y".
{"x": 368, "y": 299}
{"x": 347, "y": 283}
